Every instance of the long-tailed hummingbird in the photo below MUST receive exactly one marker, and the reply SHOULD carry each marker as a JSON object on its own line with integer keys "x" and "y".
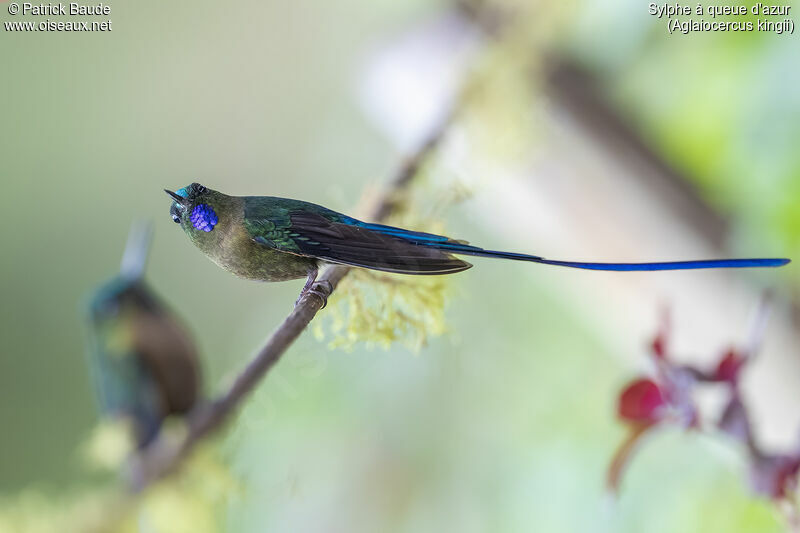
{"x": 267, "y": 238}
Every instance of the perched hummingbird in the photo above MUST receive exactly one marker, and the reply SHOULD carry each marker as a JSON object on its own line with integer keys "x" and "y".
{"x": 144, "y": 364}
{"x": 275, "y": 239}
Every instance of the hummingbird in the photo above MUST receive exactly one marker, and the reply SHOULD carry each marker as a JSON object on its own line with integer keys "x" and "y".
{"x": 144, "y": 364}
{"x": 267, "y": 238}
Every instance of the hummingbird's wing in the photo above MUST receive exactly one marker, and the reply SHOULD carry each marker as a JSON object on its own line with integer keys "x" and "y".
{"x": 330, "y": 236}
{"x": 171, "y": 360}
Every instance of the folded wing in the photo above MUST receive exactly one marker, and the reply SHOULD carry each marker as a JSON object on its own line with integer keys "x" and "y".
{"x": 352, "y": 243}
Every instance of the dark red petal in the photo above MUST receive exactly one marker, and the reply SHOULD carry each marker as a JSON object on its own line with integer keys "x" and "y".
{"x": 641, "y": 401}
{"x": 729, "y": 366}
{"x": 659, "y": 346}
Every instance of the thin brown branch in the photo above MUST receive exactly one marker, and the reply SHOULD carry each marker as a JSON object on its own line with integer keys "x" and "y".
{"x": 160, "y": 460}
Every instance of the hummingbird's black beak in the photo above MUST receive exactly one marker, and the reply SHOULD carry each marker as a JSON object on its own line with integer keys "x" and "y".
{"x": 181, "y": 200}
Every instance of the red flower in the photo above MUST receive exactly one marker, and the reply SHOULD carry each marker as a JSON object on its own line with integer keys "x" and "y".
{"x": 643, "y": 405}
{"x": 641, "y": 401}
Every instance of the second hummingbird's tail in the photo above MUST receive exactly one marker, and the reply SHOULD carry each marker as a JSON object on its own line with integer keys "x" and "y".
{"x": 136, "y": 250}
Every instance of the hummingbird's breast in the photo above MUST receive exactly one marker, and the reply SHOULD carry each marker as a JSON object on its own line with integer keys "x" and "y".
{"x": 242, "y": 256}
{"x": 233, "y": 249}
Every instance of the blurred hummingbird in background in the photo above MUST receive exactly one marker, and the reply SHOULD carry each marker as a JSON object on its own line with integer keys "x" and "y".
{"x": 266, "y": 238}
{"x": 143, "y": 363}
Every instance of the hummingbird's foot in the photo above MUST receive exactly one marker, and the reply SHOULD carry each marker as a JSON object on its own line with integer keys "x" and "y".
{"x": 321, "y": 289}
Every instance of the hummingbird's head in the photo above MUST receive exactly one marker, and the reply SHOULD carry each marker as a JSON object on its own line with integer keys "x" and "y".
{"x": 193, "y": 208}
{"x": 119, "y": 297}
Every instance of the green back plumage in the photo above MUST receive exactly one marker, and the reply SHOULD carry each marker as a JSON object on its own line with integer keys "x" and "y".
{"x": 268, "y": 219}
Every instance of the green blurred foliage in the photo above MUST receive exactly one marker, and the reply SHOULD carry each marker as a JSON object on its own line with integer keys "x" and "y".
{"x": 195, "y": 502}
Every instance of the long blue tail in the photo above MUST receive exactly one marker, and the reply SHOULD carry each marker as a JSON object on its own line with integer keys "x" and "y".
{"x": 444, "y": 243}
{"x": 632, "y": 267}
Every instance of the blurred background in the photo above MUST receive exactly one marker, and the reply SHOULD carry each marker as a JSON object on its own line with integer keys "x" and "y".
{"x": 586, "y": 131}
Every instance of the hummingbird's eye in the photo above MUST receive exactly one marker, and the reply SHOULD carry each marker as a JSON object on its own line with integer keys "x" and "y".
{"x": 176, "y": 219}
